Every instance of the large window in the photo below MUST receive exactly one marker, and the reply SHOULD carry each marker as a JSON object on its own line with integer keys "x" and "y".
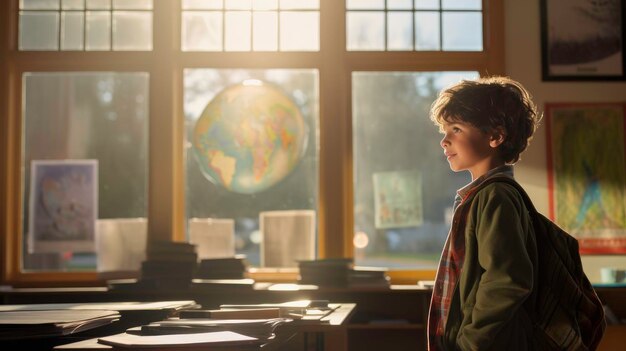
{"x": 403, "y": 185}
{"x": 82, "y": 116}
{"x": 278, "y": 124}
{"x": 248, "y": 155}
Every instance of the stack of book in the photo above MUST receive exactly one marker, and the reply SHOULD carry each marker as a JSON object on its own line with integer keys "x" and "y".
{"x": 325, "y": 272}
{"x": 368, "y": 277}
{"x": 169, "y": 264}
{"x": 222, "y": 268}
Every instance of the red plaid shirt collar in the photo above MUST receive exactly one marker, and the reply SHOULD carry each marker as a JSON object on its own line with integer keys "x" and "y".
{"x": 451, "y": 264}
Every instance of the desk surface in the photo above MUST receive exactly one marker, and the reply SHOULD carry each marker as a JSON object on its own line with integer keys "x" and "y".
{"x": 334, "y": 321}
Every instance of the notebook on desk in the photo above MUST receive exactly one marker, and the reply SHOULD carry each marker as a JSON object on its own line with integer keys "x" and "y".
{"x": 300, "y": 310}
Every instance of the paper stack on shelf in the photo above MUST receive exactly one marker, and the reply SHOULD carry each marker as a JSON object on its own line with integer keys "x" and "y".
{"x": 27, "y": 324}
{"x": 325, "y": 272}
{"x": 368, "y": 277}
{"x": 222, "y": 268}
{"x": 168, "y": 265}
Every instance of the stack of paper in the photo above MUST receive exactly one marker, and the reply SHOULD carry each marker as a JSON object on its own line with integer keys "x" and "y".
{"x": 325, "y": 272}
{"x": 204, "y": 341}
{"x": 116, "y": 306}
{"x": 368, "y": 277}
{"x": 261, "y": 329}
{"x": 35, "y": 324}
{"x": 222, "y": 268}
{"x": 169, "y": 265}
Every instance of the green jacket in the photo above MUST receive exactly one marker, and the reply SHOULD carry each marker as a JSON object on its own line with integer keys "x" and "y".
{"x": 499, "y": 272}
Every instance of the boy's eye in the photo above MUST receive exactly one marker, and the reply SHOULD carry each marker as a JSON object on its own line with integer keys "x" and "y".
{"x": 456, "y": 129}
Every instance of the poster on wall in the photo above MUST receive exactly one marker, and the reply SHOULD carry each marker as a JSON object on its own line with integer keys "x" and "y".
{"x": 582, "y": 39}
{"x": 63, "y": 206}
{"x": 587, "y": 174}
{"x": 398, "y": 199}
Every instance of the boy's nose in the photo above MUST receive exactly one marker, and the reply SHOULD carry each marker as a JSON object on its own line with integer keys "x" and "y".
{"x": 444, "y": 141}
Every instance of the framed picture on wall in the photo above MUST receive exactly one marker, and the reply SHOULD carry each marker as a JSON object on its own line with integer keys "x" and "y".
{"x": 587, "y": 174}
{"x": 583, "y": 39}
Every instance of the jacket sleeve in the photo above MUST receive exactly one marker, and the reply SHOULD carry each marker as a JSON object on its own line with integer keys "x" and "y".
{"x": 507, "y": 277}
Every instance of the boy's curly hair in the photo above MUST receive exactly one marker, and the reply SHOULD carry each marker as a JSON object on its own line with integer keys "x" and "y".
{"x": 490, "y": 104}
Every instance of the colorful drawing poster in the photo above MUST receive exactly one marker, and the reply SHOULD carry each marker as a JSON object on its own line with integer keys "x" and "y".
{"x": 63, "y": 206}
{"x": 398, "y": 199}
{"x": 587, "y": 174}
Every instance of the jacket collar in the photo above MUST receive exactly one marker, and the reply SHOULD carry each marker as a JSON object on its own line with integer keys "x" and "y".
{"x": 506, "y": 170}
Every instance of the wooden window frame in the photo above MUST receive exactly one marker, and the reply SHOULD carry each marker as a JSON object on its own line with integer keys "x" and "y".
{"x": 165, "y": 64}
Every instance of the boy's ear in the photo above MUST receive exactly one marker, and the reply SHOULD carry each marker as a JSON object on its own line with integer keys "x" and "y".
{"x": 497, "y": 138}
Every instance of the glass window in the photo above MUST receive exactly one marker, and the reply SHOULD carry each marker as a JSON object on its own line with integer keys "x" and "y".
{"x": 252, "y": 148}
{"x": 85, "y": 25}
{"x": 462, "y": 31}
{"x": 99, "y": 116}
{"x": 259, "y": 25}
{"x": 392, "y": 25}
{"x": 38, "y": 30}
{"x": 403, "y": 186}
{"x": 247, "y": 166}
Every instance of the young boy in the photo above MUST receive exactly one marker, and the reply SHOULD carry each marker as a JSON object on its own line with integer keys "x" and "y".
{"x": 487, "y": 267}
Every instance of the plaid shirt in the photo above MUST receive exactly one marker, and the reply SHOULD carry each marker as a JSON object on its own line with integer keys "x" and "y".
{"x": 451, "y": 264}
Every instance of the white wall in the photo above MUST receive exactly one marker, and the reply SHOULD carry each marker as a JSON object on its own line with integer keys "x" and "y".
{"x": 523, "y": 63}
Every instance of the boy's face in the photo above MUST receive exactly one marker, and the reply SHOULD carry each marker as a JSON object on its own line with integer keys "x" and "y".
{"x": 467, "y": 148}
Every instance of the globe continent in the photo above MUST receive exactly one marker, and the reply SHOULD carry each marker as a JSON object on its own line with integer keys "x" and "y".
{"x": 249, "y": 137}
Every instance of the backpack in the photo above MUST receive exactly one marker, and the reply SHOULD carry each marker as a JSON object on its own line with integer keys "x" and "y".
{"x": 567, "y": 314}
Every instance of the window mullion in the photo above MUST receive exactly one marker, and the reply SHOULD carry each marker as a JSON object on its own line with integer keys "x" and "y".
{"x": 335, "y": 213}
{"x": 165, "y": 191}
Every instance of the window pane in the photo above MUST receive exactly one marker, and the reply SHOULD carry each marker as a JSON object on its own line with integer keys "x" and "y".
{"x": 366, "y": 30}
{"x": 84, "y": 116}
{"x": 399, "y": 31}
{"x": 72, "y": 4}
{"x": 264, "y": 4}
{"x": 299, "y": 4}
{"x": 299, "y": 31}
{"x": 365, "y": 4}
{"x": 238, "y": 4}
{"x": 39, "y": 4}
{"x": 98, "y": 4}
{"x": 39, "y": 30}
{"x": 132, "y": 4}
{"x": 251, "y": 148}
{"x": 202, "y": 4}
{"x": 462, "y": 31}
{"x": 238, "y": 36}
{"x": 427, "y": 4}
{"x": 404, "y": 189}
{"x": 72, "y": 30}
{"x": 427, "y": 31}
{"x": 400, "y": 4}
{"x": 265, "y": 31}
{"x": 132, "y": 30}
{"x": 202, "y": 31}
{"x": 98, "y": 30}
{"x": 462, "y": 4}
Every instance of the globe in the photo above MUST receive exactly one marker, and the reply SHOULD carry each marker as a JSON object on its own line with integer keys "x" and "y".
{"x": 249, "y": 137}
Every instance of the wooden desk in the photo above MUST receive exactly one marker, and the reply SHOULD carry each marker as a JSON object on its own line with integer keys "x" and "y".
{"x": 382, "y": 317}
{"x": 329, "y": 333}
